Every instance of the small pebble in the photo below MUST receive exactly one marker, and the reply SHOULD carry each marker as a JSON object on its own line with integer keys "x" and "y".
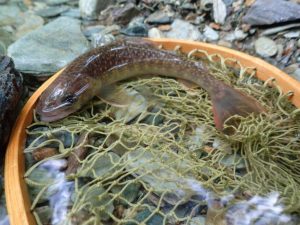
{"x": 225, "y": 43}
{"x": 265, "y": 47}
{"x": 155, "y": 33}
{"x": 211, "y": 34}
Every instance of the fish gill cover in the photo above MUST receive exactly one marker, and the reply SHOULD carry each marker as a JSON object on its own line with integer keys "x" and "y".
{"x": 161, "y": 160}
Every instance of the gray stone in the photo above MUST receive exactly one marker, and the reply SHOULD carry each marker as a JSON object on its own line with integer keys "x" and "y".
{"x": 122, "y": 14}
{"x": 136, "y": 28}
{"x": 155, "y": 33}
{"x": 90, "y": 9}
{"x": 100, "y": 39}
{"x": 292, "y": 34}
{"x": 161, "y": 17}
{"x": 228, "y": 2}
{"x": 275, "y": 30}
{"x": 9, "y": 14}
{"x": 210, "y": 34}
{"x": 219, "y": 11}
{"x": 296, "y": 74}
{"x": 31, "y": 22}
{"x": 265, "y": 47}
{"x": 74, "y": 13}
{"x": 265, "y": 12}
{"x": 239, "y": 35}
{"x": 51, "y": 11}
{"x": 90, "y": 30}
{"x": 50, "y": 47}
{"x": 184, "y": 30}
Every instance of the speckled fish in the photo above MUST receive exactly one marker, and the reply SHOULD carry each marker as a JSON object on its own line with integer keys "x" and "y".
{"x": 96, "y": 72}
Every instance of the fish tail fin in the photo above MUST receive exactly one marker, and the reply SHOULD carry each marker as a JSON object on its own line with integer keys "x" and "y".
{"x": 228, "y": 102}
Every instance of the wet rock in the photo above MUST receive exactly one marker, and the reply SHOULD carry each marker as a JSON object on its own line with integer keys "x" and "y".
{"x": 236, "y": 35}
{"x": 225, "y": 43}
{"x": 292, "y": 34}
{"x": 136, "y": 28}
{"x": 129, "y": 193}
{"x": 44, "y": 213}
{"x": 219, "y": 11}
{"x": 279, "y": 28}
{"x": 266, "y": 12}
{"x": 122, "y": 14}
{"x": 11, "y": 90}
{"x": 210, "y": 34}
{"x": 296, "y": 74}
{"x": 6, "y": 38}
{"x": 161, "y": 173}
{"x": 100, "y": 166}
{"x": 165, "y": 16}
{"x": 3, "y": 1}
{"x": 265, "y": 47}
{"x": 51, "y": 11}
{"x": 31, "y": 22}
{"x": 9, "y": 14}
{"x": 184, "y": 30}
{"x": 100, "y": 39}
{"x": 74, "y": 13}
{"x": 293, "y": 70}
{"x": 155, "y": 33}
{"x": 90, "y": 9}
{"x": 50, "y": 47}
{"x": 90, "y": 30}
{"x": 141, "y": 216}
{"x": 56, "y": 2}
{"x": 239, "y": 35}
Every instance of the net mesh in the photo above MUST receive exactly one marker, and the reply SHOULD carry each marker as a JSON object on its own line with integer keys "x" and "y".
{"x": 161, "y": 160}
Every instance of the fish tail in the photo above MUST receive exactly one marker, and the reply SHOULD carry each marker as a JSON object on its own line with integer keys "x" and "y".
{"x": 228, "y": 102}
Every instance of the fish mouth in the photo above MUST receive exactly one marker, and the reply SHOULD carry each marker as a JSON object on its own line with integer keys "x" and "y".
{"x": 47, "y": 115}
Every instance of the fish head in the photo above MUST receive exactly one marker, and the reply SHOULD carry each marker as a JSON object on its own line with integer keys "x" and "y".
{"x": 64, "y": 96}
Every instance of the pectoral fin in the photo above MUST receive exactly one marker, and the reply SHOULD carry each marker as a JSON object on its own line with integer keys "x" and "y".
{"x": 115, "y": 95}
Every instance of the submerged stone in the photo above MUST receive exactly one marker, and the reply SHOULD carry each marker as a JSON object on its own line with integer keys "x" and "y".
{"x": 50, "y": 47}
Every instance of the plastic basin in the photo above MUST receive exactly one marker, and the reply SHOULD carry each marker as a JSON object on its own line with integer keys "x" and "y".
{"x": 18, "y": 202}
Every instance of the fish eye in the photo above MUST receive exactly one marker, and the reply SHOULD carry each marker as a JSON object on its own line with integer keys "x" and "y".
{"x": 69, "y": 99}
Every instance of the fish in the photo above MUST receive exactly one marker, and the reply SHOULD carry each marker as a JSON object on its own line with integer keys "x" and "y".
{"x": 97, "y": 72}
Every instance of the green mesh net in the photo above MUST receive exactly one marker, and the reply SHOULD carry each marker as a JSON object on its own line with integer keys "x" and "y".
{"x": 161, "y": 160}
